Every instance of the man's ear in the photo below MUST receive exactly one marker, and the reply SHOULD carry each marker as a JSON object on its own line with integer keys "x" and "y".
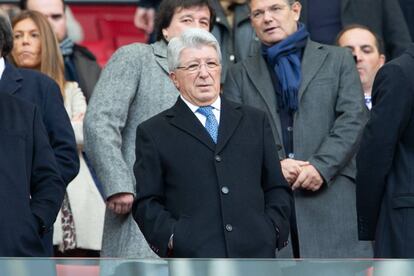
{"x": 173, "y": 78}
{"x": 297, "y": 8}
{"x": 382, "y": 60}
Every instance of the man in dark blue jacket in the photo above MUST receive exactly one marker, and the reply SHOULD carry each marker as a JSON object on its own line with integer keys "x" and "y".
{"x": 42, "y": 91}
{"x": 31, "y": 189}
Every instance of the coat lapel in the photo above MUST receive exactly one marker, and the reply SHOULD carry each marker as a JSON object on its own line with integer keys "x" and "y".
{"x": 160, "y": 52}
{"x": 258, "y": 73}
{"x": 183, "y": 118}
{"x": 9, "y": 82}
{"x": 229, "y": 120}
{"x": 312, "y": 60}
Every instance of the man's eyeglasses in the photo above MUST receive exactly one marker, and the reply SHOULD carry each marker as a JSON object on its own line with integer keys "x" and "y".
{"x": 196, "y": 67}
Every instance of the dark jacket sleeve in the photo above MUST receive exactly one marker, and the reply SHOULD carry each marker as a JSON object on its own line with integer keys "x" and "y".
{"x": 60, "y": 132}
{"x": 46, "y": 186}
{"x": 155, "y": 222}
{"x": 396, "y": 34}
{"x": 278, "y": 195}
{"x": 389, "y": 118}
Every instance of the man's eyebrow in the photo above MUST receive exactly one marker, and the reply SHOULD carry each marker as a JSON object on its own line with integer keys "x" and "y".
{"x": 56, "y": 15}
{"x": 367, "y": 46}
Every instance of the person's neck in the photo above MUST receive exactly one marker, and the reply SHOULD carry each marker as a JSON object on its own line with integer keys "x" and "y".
{"x": 367, "y": 89}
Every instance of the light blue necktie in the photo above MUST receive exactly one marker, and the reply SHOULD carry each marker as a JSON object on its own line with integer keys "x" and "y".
{"x": 211, "y": 121}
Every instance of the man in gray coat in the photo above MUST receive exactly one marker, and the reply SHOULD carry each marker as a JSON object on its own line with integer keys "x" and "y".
{"x": 133, "y": 87}
{"x": 313, "y": 97}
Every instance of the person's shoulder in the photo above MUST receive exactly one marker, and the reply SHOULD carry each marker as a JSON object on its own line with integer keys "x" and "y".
{"x": 157, "y": 120}
{"x": 133, "y": 49}
{"x": 133, "y": 53}
{"x": 83, "y": 51}
{"x": 245, "y": 109}
{"x": 398, "y": 70}
{"x": 15, "y": 105}
{"x": 331, "y": 49}
{"x": 35, "y": 76}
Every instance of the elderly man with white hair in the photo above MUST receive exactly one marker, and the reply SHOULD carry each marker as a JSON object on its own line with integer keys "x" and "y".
{"x": 209, "y": 182}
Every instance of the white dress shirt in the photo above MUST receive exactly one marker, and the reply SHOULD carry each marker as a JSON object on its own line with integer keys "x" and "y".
{"x": 216, "y": 110}
{"x": 2, "y": 66}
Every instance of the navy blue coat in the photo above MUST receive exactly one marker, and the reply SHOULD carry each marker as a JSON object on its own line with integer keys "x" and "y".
{"x": 31, "y": 189}
{"x": 42, "y": 91}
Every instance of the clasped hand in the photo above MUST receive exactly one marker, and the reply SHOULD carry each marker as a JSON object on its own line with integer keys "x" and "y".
{"x": 301, "y": 174}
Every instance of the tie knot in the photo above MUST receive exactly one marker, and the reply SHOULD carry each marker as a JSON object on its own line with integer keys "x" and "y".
{"x": 205, "y": 110}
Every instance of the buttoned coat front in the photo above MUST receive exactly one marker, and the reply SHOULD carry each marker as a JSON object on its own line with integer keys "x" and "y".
{"x": 326, "y": 132}
{"x": 224, "y": 200}
{"x": 133, "y": 87}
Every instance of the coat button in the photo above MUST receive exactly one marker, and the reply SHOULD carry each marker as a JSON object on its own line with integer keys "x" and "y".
{"x": 291, "y": 155}
{"x": 218, "y": 19}
{"x": 232, "y": 57}
{"x": 289, "y": 128}
{"x": 229, "y": 228}
{"x": 218, "y": 158}
{"x": 225, "y": 190}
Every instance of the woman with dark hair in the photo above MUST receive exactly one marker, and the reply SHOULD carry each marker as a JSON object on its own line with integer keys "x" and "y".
{"x": 133, "y": 87}
{"x": 79, "y": 225}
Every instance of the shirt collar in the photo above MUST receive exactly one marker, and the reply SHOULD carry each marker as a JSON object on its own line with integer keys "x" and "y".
{"x": 2, "y": 66}
{"x": 216, "y": 104}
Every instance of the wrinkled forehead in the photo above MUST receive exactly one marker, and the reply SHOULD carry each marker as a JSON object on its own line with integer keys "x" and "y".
{"x": 198, "y": 53}
{"x": 264, "y": 3}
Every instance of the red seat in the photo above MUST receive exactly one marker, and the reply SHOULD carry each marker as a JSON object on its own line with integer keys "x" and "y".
{"x": 121, "y": 30}
{"x": 107, "y": 27}
{"x": 102, "y": 49}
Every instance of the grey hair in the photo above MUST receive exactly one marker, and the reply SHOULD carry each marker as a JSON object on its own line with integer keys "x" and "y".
{"x": 191, "y": 38}
{"x": 6, "y": 34}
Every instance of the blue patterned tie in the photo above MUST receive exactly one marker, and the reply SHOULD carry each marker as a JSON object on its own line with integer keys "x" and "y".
{"x": 211, "y": 122}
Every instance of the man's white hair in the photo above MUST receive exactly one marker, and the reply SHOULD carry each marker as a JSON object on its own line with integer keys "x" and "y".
{"x": 191, "y": 38}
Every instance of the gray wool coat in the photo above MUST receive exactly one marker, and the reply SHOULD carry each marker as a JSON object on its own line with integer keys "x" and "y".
{"x": 326, "y": 132}
{"x": 133, "y": 87}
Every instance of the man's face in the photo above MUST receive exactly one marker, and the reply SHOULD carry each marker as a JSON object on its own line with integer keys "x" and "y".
{"x": 184, "y": 18}
{"x": 363, "y": 46}
{"x": 55, "y": 13}
{"x": 274, "y": 20}
{"x": 198, "y": 76}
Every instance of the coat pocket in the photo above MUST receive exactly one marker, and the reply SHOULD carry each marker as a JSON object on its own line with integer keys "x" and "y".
{"x": 182, "y": 245}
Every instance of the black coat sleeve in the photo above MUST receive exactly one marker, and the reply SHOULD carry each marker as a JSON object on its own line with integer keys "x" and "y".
{"x": 278, "y": 195}
{"x": 389, "y": 117}
{"x": 60, "y": 132}
{"x": 155, "y": 222}
{"x": 46, "y": 186}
